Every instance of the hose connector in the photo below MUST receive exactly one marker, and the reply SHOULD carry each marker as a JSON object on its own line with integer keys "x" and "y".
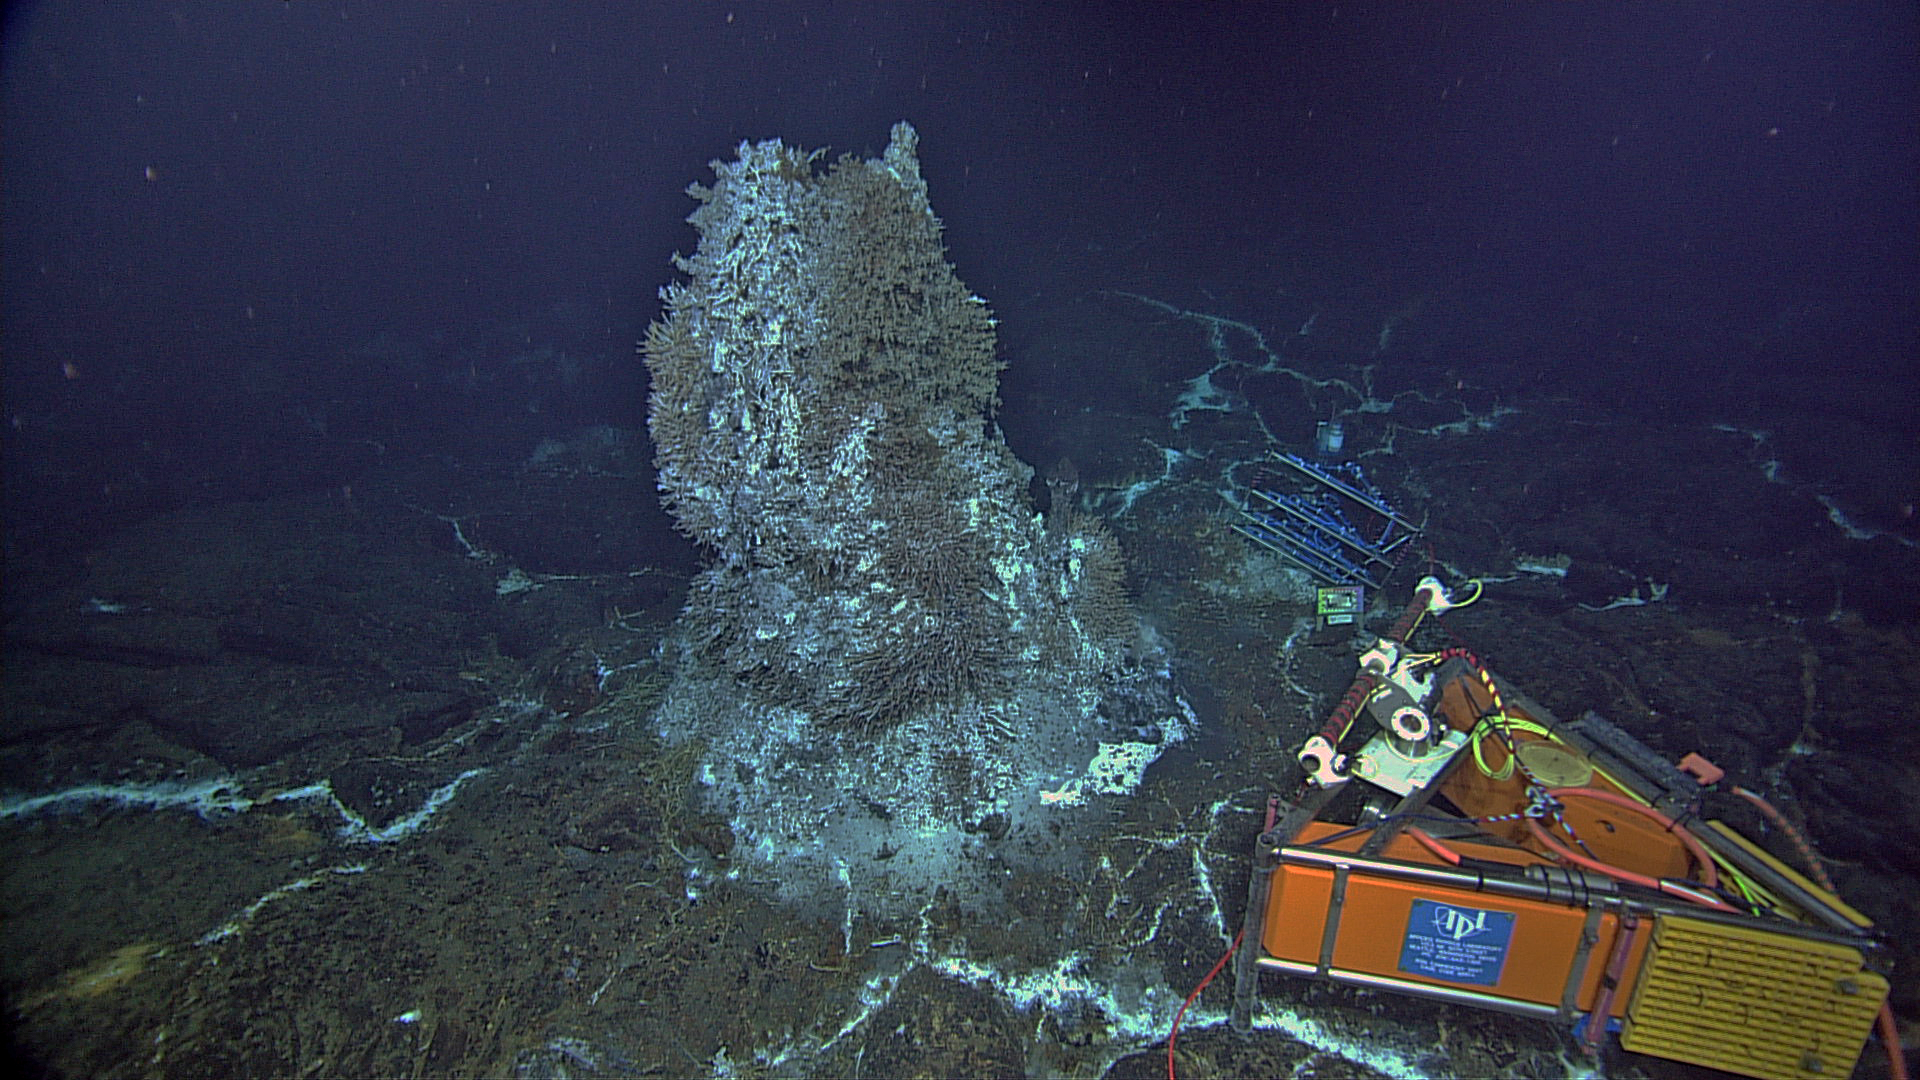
{"x": 1438, "y": 602}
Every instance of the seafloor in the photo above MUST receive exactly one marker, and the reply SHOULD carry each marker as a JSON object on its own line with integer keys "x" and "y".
{"x": 360, "y": 781}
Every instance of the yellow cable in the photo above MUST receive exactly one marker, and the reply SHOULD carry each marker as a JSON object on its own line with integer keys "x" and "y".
{"x": 1486, "y": 724}
{"x": 1478, "y": 588}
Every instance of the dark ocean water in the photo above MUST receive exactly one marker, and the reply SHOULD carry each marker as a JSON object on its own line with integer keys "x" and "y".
{"x": 339, "y": 599}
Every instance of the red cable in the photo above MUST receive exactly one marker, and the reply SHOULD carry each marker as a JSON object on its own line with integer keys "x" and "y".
{"x": 1217, "y": 965}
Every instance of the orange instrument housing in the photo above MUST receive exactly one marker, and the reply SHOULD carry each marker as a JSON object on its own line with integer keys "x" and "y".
{"x": 1514, "y": 862}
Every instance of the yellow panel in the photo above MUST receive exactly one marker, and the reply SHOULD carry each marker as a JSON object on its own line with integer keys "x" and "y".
{"x": 1751, "y": 1002}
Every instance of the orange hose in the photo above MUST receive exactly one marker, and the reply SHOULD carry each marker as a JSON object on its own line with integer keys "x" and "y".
{"x": 1450, "y": 856}
{"x": 1814, "y": 865}
{"x": 1709, "y": 873}
{"x": 1709, "y": 876}
{"x": 1618, "y": 874}
{"x": 1889, "y": 1031}
{"x": 1890, "y": 1041}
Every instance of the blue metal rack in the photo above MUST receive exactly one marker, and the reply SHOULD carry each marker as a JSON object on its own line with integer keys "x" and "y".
{"x": 1315, "y": 528}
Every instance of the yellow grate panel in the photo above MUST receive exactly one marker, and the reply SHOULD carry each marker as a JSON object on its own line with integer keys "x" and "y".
{"x": 1751, "y": 1002}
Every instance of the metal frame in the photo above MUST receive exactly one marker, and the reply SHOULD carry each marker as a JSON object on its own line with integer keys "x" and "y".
{"x": 1614, "y": 750}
